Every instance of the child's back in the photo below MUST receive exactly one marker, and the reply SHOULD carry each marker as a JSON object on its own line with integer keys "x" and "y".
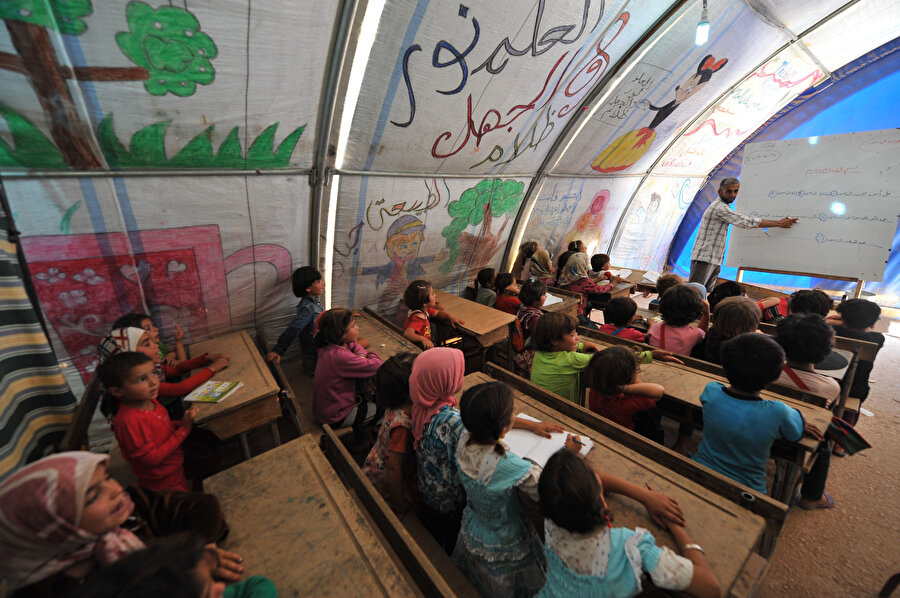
{"x": 497, "y": 549}
{"x": 557, "y": 361}
{"x": 739, "y": 427}
{"x": 436, "y": 426}
{"x": 679, "y": 306}
{"x": 390, "y": 465}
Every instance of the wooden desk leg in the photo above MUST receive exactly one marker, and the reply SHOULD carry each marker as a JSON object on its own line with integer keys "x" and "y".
{"x": 245, "y": 446}
{"x": 275, "y": 435}
{"x": 786, "y": 476}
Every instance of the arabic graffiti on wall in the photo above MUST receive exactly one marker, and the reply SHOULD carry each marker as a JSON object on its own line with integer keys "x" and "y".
{"x": 568, "y": 80}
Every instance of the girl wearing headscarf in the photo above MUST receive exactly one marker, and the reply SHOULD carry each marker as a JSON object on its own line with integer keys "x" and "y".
{"x": 62, "y": 517}
{"x": 436, "y": 425}
{"x": 574, "y": 277}
{"x": 140, "y": 340}
{"x": 541, "y": 268}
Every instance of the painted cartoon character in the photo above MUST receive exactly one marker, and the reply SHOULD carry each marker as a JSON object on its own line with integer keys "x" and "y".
{"x": 589, "y": 223}
{"x": 404, "y": 238}
{"x": 625, "y": 151}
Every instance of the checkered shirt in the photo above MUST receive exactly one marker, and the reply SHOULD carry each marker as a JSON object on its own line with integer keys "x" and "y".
{"x": 711, "y": 237}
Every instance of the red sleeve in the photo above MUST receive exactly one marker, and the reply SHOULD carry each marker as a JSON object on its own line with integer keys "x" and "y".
{"x": 639, "y": 403}
{"x": 399, "y": 439}
{"x": 432, "y": 312}
{"x": 187, "y": 365}
{"x": 420, "y": 325}
{"x": 633, "y": 334}
{"x": 136, "y": 439}
{"x": 176, "y": 389}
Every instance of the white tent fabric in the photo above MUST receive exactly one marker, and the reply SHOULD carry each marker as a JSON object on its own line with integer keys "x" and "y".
{"x": 184, "y": 157}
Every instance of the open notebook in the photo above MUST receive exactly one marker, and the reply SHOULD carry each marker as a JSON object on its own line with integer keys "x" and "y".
{"x": 529, "y": 445}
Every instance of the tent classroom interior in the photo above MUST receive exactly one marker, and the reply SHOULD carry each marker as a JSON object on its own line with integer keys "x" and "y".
{"x": 182, "y": 159}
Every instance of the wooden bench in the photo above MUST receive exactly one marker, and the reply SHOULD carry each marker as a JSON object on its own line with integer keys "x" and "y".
{"x": 431, "y": 568}
{"x": 289, "y": 402}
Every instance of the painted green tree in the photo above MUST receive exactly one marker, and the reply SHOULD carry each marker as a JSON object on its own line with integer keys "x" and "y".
{"x": 172, "y": 55}
{"x": 489, "y": 199}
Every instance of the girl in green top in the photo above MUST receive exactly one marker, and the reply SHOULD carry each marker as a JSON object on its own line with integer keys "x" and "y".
{"x": 558, "y": 355}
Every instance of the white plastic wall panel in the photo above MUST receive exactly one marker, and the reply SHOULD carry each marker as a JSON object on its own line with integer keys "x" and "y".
{"x": 672, "y": 83}
{"x": 213, "y": 254}
{"x": 218, "y": 68}
{"x": 653, "y": 215}
{"x": 740, "y": 113}
{"x": 797, "y": 15}
{"x": 391, "y": 231}
{"x": 588, "y": 209}
{"x": 860, "y": 28}
{"x": 483, "y": 109}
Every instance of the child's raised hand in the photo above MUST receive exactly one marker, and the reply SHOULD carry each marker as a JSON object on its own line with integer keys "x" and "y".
{"x": 273, "y": 357}
{"x": 573, "y": 443}
{"x": 229, "y": 568}
{"x": 663, "y": 355}
{"x": 811, "y": 430}
{"x": 179, "y": 334}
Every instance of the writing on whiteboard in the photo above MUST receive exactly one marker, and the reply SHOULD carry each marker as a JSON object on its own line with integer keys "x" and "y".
{"x": 820, "y": 238}
{"x": 825, "y": 217}
{"x": 831, "y": 193}
{"x": 834, "y": 170}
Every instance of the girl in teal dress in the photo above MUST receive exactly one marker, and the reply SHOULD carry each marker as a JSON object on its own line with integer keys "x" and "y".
{"x": 497, "y": 548}
{"x": 586, "y": 556}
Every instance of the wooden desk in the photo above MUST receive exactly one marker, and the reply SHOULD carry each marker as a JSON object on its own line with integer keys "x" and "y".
{"x": 637, "y": 278}
{"x": 294, "y": 522}
{"x": 254, "y": 405}
{"x": 485, "y": 325}
{"x": 568, "y": 303}
{"x": 728, "y": 532}
{"x": 383, "y": 338}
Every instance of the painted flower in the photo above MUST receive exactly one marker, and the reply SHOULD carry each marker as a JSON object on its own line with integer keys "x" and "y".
{"x": 73, "y": 298}
{"x": 52, "y": 275}
{"x": 89, "y": 276}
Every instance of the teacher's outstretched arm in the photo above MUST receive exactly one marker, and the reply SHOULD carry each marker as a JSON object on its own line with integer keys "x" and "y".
{"x": 783, "y": 223}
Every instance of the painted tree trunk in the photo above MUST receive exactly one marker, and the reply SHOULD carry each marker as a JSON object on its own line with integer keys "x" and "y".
{"x": 71, "y": 135}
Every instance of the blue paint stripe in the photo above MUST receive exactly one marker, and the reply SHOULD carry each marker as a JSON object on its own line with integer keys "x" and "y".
{"x": 76, "y": 54}
{"x": 393, "y": 85}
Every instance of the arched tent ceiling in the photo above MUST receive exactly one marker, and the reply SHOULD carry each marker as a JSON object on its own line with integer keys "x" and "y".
{"x": 182, "y": 157}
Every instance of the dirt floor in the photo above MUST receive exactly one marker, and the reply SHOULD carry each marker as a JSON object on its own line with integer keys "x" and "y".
{"x": 853, "y": 549}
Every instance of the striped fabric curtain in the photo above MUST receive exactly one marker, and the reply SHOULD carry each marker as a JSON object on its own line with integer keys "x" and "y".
{"x": 36, "y": 404}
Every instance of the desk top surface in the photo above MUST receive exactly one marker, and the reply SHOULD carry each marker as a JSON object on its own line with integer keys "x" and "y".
{"x": 293, "y": 521}
{"x": 479, "y": 319}
{"x": 727, "y": 531}
{"x": 384, "y": 340}
{"x": 247, "y": 366}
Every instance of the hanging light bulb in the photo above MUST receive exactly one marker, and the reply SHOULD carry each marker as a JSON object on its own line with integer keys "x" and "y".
{"x": 702, "y": 27}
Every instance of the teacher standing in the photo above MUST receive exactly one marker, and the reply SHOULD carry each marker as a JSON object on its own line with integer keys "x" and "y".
{"x": 709, "y": 248}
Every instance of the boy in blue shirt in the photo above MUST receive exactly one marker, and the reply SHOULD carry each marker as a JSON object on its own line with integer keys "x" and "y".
{"x": 739, "y": 427}
{"x": 307, "y": 284}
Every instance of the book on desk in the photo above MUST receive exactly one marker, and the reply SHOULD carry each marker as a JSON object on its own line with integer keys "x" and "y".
{"x": 213, "y": 391}
{"x": 539, "y": 449}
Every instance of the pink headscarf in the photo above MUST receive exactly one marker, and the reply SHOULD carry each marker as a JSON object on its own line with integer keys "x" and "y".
{"x": 436, "y": 375}
{"x": 40, "y": 508}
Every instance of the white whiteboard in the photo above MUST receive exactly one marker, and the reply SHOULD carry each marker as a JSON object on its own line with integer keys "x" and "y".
{"x": 845, "y": 190}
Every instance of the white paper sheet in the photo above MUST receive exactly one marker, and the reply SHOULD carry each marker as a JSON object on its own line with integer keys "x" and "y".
{"x": 529, "y": 445}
